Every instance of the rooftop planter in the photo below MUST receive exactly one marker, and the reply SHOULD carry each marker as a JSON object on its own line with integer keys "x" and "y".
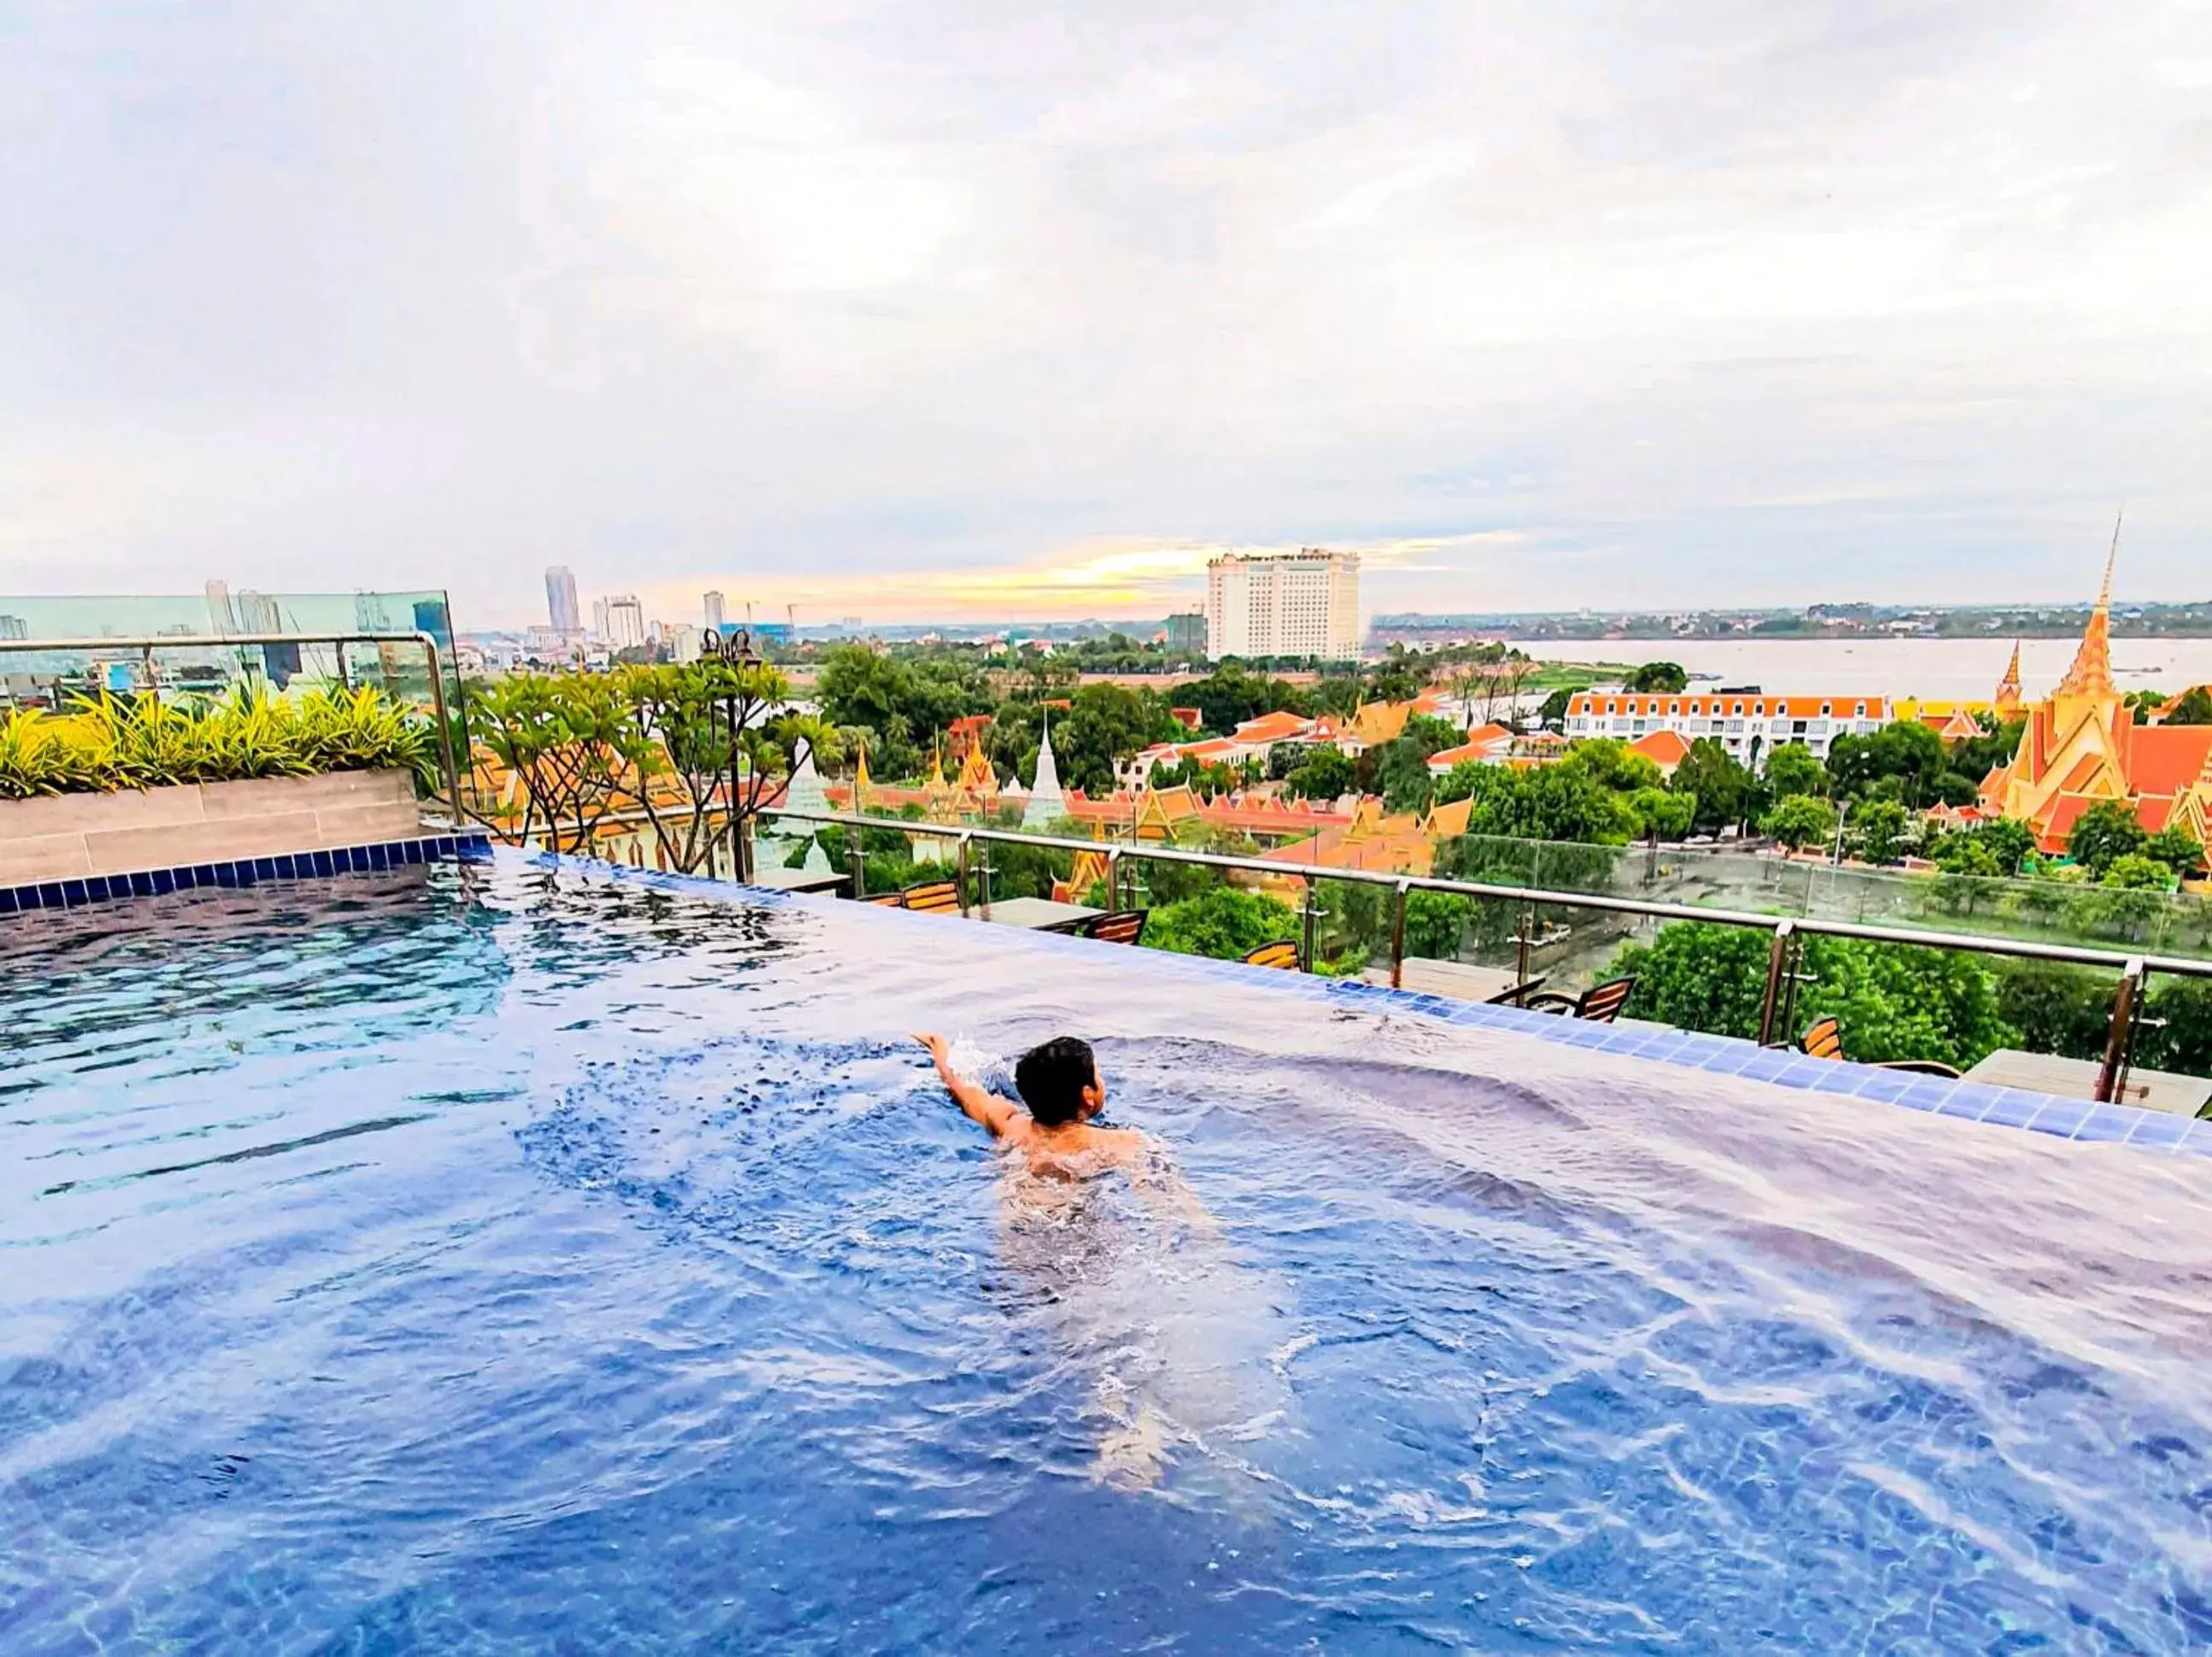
{"x": 115, "y": 786}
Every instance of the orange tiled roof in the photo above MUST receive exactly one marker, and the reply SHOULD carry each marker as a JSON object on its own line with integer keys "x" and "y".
{"x": 1711, "y": 704}
{"x": 1666, "y": 749}
{"x": 1271, "y": 727}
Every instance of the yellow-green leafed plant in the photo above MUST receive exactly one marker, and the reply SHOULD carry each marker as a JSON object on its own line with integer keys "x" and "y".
{"x": 110, "y": 743}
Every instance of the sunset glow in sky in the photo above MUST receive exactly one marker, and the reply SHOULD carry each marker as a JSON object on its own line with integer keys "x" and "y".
{"x": 914, "y": 311}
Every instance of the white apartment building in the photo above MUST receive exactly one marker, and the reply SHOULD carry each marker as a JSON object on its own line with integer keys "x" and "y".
{"x": 1301, "y": 604}
{"x": 1749, "y": 725}
{"x": 625, "y": 624}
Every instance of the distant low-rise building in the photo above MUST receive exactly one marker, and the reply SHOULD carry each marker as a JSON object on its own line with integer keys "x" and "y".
{"x": 1749, "y": 723}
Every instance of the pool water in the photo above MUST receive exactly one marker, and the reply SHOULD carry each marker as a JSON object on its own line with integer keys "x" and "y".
{"x": 484, "y": 1259}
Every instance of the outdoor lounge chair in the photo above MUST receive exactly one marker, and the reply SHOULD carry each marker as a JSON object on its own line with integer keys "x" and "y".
{"x": 936, "y": 897}
{"x": 887, "y": 899}
{"x": 1284, "y": 955}
{"x": 1824, "y": 1039}
{"x": 1517, "y": 996}
{"x": 1118, "y": 927}
{"x": 1599, "y": 1005}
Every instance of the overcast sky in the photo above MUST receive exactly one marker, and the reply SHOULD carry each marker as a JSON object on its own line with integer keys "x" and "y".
{"x": 933, "y": 309}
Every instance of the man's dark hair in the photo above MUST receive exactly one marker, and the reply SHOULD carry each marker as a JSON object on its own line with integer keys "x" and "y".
{"x": 1051, "y": 1077}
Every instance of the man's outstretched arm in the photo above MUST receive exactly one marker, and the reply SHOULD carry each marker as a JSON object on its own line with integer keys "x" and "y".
{"x": 980, "y": 1103}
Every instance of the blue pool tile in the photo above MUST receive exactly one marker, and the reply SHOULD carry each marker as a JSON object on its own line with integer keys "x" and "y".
{"x": 2060, "y": 1116}
{"x": 1969, "y": 1101}
{"x": 1766, "y": 1064}
{"x": 2157, "y": 1131}
{"x": 1882, "y": 1085}
{"x": 1928, "y": 1093}
{"x": 376, "y": 856}
{"x": 1800, "y": 1072}
{"x": 325, "y": 864}
{"x": 444, "y": 845}
{"x": 9, "y": 901}
{"x": 265, "y": 868}
{"x": 2107, "y": 1123}
{"x": 1730, "y": 1058}
{"x": 95, "y": 889}
{"x": 2015, "y": 1107}
{"x": 73, "y": 893}
{"x": 142, "y": 884}
{"x": 165, "y": 880}
{"x": 1835, "y": 1077}
{"x": 2197, "y": 1141}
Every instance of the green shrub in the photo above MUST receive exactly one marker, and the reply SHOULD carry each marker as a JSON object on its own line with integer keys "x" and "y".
{"x": 1224, "y": 923}
{"x": 110, "y": 743}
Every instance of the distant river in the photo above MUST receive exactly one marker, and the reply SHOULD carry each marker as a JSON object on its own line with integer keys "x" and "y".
{"x": 1939, "y": 668}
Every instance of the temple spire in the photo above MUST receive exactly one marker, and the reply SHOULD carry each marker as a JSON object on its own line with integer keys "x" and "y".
{"x": 2007, "y": 696}
{"x": 2092, "y": 672}
{"x": 1045, "y": 805}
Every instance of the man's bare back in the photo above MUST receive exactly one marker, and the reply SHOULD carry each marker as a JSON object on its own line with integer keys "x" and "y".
{"x": 1069, "y": 1148}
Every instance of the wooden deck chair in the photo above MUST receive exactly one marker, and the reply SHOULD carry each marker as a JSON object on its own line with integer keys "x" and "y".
{"x": 1284, "y": 955}
{"x": 936, "y": 897}
{"x": 1599, "y": 1005}
{"x": 1121, "y": 927}
{"x": 886, "y": 899}
{"x": 1517, "y": 995}
{"x": 1824, "y": 1039}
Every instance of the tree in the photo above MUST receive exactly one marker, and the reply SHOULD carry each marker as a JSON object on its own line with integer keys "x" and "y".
{"x": 2195, "y": 706}
{"x": 1893, "y": 1001}
{"x": 1107, "y": 724}
{"x": 1221, "y": 922}
{"x": 1801, "y": 821}
{"x": 1435, "y": 923}
{"x": 1794, "y": 769}
{"x": 2103, "y": 834}
{"x": 1878, "y": 830}
{"x": 1664, "y": 815}
{"x": 1721, "y": 787}
{"x": 1324, "y": 774}
{"x": 1667, "y": 678}
{"x": 1553, "y": 715}
{"x": 713, "y": 735}
{"x": 2133, "y": 872}
{"x": 1231, "y": 694}
{"x": 2177, "y": 849}
{"x": 1903, "y": 753}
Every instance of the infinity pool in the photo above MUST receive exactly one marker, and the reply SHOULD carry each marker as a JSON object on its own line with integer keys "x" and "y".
{"x": 479, "y": 1259}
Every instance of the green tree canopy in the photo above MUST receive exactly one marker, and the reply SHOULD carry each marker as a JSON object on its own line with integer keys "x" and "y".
{"x": 1105, "y": 723}
{"x": 1665, "y": 679}
{"x": 1904, "y": 752}
{"x": 1800, "y": 821}
{"x": 1325, "y": 773}
{"x": 1878, "y": 831}
{"x": 2177, "y": 849}
{"x": 1221, "y": 922}
{"x": 2103, "y": 834}
{"x": 1794, "y": 769}
{"x": 2195, "y": 706}
{"x": 1723, "y": 791}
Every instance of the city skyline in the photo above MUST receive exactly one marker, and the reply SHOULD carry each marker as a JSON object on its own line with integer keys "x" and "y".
{"x": 878, "y": 313}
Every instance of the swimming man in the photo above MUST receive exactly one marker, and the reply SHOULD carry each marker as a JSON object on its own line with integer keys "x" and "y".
{"x": 1059, "y": 1081}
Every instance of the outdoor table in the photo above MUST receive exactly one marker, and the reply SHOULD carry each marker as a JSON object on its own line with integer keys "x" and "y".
{"x": 1037, "y": 913}
{"x": 1457, "y": 980}
{"x": 2077, "y": 1078}
{"x": 800, "y": 880}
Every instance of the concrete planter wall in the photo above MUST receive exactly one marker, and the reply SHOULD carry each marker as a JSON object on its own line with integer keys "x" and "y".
{"x": 73, "y": 837}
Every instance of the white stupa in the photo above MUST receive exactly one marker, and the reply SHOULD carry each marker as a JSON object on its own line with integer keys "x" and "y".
{"x": 1046, "y": 806}
{"x": 804, "y": 792}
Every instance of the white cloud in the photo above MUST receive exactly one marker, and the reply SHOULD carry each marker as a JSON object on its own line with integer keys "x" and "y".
{"x": 1735, "y": 301}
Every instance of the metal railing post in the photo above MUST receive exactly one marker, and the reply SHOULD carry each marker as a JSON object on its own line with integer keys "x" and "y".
{"x": 960, "y": 879}
{"x": 2112, "y": 1074}
{"x": 1778, "y": 965}
{"x": 1114, "y": 877}
{"x": 445, "y": 727}
{"x": 1312, "y": 922}
{"x": 856, "y": 863}
{"x": 1524, "y": 943}
{"x": 1398, "y": 938}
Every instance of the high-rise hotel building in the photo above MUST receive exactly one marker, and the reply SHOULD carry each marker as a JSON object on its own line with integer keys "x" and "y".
{"x": 1300, "y": 603}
